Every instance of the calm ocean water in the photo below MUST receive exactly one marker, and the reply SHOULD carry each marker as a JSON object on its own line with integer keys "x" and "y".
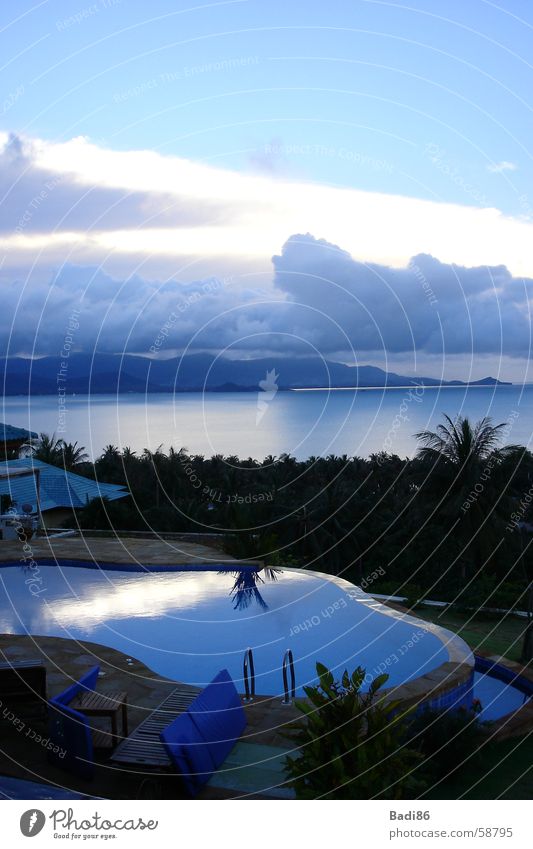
{"x": 249, "y": 424}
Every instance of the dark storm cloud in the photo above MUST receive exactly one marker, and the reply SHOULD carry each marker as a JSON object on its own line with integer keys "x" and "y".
{"x": 122, "y": 315}
{"x": 428, "y": 306}
{"x": 323, "y": 301}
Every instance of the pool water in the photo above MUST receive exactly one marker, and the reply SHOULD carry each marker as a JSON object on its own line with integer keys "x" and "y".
{"x": 497, "y": 697}
{"x": 187, "y": 624}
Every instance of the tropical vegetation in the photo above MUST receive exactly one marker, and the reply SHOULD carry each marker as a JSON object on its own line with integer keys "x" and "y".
{"x": 57, "y": 452}
{"x": 453, "y": 523}
{"x": 352, "y": 744}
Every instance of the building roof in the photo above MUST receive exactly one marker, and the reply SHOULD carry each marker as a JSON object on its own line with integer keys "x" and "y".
{"x": 58, "y": 488}
{"x": 7, "y": 472}
{"x": 10, "y": 433}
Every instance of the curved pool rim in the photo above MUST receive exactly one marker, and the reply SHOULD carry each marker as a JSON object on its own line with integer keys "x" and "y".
{"x": 503, "y": 673}
{"x": 458, "y": 650}
{"x": 448, "y": 684}
{"x": 512, "y": 679}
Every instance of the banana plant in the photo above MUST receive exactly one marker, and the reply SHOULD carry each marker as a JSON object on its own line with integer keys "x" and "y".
{"x": 352, "y": 744}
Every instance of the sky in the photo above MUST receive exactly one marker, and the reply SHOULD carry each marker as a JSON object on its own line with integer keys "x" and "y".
{"x": 350, "y": 179}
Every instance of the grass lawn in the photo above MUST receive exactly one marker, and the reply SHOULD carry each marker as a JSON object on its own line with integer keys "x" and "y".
{"x": 503, "y": 770}
{"x": 494, "y": 633}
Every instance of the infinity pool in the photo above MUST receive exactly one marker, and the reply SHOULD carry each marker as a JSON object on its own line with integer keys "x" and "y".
{"x": 187, "y": 624}
{"x": 497, "y": 698}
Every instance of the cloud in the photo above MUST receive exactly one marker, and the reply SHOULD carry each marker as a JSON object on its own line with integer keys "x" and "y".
{"x": 141, "y": 206}
{"x": 269, "y": 158}
{"x": 37, "y": 199}
{"x": 127, "y": 315}
{"x": 129, "y": 237}
{"x": 500, "y": 167}
{"x": 320, "y": 300}
{"x": 428, "y": 306}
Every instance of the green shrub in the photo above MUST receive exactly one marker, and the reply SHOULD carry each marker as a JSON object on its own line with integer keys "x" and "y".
{"x": 352, "y": 744}
{"x": 446, "y": 739}
{"x": 488, "y": 591}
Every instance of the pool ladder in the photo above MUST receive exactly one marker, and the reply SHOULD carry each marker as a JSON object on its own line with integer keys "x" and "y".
{"x": 288, "y": 667}
{"x": 248, "y": 673}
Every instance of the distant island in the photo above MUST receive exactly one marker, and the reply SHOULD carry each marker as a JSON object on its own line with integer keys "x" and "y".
{"x": 111, "y": 373}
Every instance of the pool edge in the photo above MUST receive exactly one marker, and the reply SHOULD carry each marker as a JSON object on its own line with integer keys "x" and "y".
{"x": 449, "y": 684}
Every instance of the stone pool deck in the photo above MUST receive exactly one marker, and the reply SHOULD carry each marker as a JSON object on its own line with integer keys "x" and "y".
{"x": 125, "y": 550}
{"x": 515, "y": 724}
{"x": 66, "y": 660}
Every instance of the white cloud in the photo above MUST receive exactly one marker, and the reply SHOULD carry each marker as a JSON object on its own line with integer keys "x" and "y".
{"x": 116, "y": 224}
{"x": 233, "y": 215}
{"x": 500, "y": 167}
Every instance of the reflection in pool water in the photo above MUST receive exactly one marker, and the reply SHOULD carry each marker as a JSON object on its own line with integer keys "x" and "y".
{"x": 187, "y": 624}
{"x": 245, "y": 590}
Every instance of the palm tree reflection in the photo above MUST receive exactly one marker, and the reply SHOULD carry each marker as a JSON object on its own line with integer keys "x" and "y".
{"x": 245, "y": 590}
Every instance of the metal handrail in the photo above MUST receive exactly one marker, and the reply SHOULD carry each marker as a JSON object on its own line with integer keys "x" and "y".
{"x": 248, "y": 672}
{"x": 288, "y": 664}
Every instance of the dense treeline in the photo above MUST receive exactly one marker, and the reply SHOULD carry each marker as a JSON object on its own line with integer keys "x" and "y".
{"x": 450, "y": 523}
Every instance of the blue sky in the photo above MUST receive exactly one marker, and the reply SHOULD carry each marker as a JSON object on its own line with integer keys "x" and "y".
{"x": 383, "y": 80}
{"x": 271, "y": 119}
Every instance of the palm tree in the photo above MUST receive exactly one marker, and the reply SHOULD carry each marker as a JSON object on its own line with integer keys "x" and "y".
{"x": 464, "y": 462}
{"x": 73, "y": 454}
{"x": 108, "y": 466}
{"x": 463, "y": 446}
{"x": 110, "y": 452}
{"x": 245, "y": 590}
{"x": 46, "y": 448}
{"x": 156, "y": 460}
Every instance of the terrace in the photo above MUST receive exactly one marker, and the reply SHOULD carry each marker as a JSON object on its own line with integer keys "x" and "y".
{"x": 124, "y": 550}
{"x": 67, "y": 659}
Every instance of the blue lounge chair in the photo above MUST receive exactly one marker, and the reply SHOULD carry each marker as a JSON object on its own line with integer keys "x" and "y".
{"x": 199, "y": 740}
{"x": 70, "y": 731}
{"x": 200, "y": 729}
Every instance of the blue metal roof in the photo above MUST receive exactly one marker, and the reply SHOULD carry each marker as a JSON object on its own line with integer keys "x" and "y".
{"x": 58, "y": 488}
{"x": 9, "y": 433}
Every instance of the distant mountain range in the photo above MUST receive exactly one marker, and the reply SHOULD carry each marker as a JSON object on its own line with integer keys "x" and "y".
{"x": 111, "y": 373}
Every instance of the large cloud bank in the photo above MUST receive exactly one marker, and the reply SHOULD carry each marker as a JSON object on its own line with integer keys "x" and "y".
{"x": 87, "y": 229}
{"x": 321, "y": 301}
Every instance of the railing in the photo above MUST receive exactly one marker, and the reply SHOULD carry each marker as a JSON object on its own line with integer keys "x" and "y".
{"x": 288, "y": 666}
{"x": 248, "y": 673}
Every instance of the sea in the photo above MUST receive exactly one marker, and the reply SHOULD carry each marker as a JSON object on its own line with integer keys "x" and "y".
{"x": 301, "y": 423}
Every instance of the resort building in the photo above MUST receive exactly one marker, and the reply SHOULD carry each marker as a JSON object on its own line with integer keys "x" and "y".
{"x": 53, "y": 492}
{"x": 12, "y": 439}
